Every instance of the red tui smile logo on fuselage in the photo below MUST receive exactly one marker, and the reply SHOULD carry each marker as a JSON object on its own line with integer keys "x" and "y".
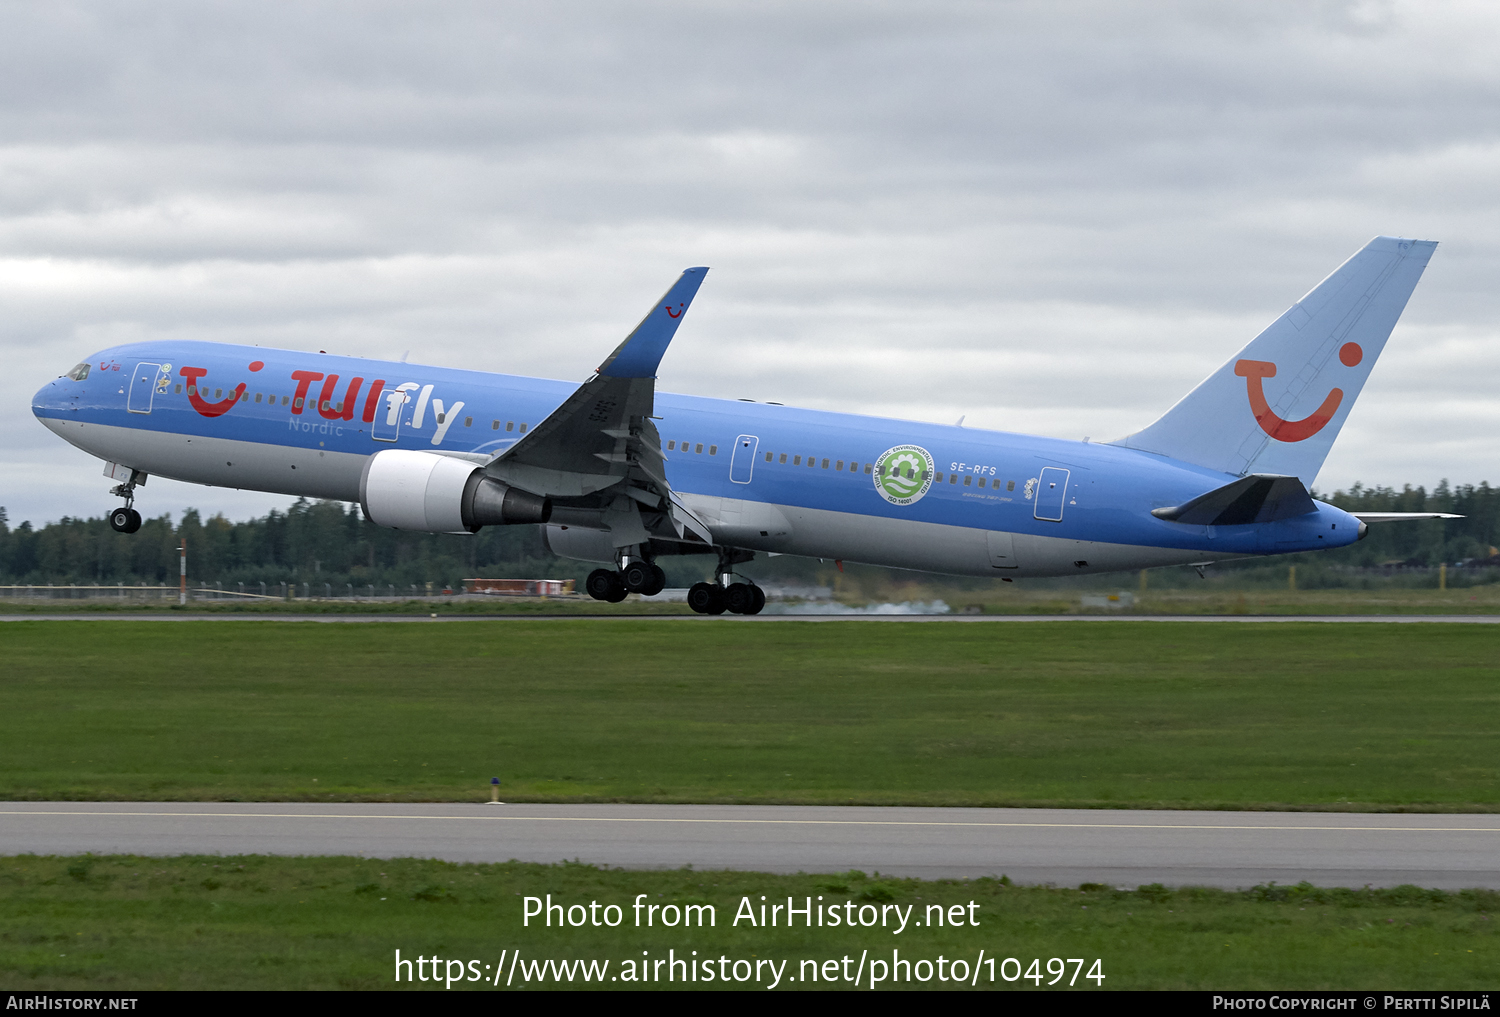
{"x": 1255, "y": 371}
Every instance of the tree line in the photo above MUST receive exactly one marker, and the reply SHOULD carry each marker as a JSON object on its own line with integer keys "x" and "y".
{"x": 332, "y": 543}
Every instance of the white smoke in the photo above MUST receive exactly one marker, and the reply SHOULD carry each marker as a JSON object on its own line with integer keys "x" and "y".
{"x": 833, "y": 607}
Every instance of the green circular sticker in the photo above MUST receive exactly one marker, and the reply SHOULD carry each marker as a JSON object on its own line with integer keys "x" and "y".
{"x": 903, "y": 474}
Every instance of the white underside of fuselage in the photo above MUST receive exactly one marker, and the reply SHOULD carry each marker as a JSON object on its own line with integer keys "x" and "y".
{"x": 908, "y": 544}
{"x": 220, "y": 462}
{"x": 753, "y": 525}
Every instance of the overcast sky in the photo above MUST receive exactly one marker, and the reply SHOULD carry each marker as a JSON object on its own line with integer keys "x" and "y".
{"x": 1053, "y": 218}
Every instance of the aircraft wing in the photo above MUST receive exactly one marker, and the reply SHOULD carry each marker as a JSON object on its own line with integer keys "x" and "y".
{"x": 599, "y": 451}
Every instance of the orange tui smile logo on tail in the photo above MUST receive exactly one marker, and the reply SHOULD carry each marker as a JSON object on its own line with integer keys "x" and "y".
{"x": 1254, "y": 371}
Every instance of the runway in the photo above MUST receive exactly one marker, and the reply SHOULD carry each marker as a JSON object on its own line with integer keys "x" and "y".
{"x": 1059, "y": 846}
{"x": 729, "y": 619}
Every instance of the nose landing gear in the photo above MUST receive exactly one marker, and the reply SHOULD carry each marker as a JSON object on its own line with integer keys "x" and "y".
{"x": 126, "y": 519}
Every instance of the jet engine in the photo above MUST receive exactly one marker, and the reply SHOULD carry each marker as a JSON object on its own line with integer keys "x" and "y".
{"x": 441, "y": 494}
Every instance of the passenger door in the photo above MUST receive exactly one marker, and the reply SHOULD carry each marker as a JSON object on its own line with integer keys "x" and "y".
{"x": 742, "y": 463}
{"x": 142, "y": 388}
{"x": 387, "y": 423}
{"x": 1051, "y": 489}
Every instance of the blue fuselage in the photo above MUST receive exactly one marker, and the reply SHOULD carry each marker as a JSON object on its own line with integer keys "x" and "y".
{"x": 299, "y": 423}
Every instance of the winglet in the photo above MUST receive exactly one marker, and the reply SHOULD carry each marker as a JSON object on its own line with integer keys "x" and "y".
{"x": 641, "y": 352}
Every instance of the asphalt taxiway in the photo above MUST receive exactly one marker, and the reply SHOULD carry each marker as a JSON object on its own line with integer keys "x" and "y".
{"x": 1059, "y": 846}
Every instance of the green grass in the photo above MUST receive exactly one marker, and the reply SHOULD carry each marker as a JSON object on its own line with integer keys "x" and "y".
{"x": 122, "y": 922}
{"x": 1286, "y": 715}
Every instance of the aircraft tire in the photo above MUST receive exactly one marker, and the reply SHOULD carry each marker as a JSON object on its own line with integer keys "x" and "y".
{"x": 638, "y": 576}
{"x": 600, "y": 583}
{"x": 119, "y": 520}
{"x": 135, "y": 521}
{"x": 759, "y": 603}
{"x": 703, "y": 597}
{"x": 617, "y": 591}
{"x": 658, "y": 582}
{"x": 738, "y": 598}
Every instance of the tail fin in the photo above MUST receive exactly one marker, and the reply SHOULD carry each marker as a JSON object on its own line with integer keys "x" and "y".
{"x": 1277, "y": 405}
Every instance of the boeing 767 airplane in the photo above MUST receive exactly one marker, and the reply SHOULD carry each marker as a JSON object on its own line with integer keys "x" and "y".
{"x": 619, "y": 474}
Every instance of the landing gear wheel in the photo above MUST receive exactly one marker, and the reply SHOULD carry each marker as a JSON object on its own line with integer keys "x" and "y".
{"x": 759, "y": 602}
{"x": 738, "y": 598}
{"x": 639, "y": 575}
{"x": 706, "y": 598}
{"x": 125, "y": 520}
{"x": 602, "y": 584}
{"x": 658, "y": 582}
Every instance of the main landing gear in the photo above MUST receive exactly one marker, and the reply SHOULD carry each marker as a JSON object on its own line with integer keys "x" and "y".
{"x": 736, "y": 598}
{"x": 638, "y": 576}
{"x": 126, "y": 519}
{"x": 724, "y": 595}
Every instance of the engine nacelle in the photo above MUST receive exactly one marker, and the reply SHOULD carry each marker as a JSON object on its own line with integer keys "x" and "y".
{"x": 579, "y": 543}
{"x": 441, "y": 494}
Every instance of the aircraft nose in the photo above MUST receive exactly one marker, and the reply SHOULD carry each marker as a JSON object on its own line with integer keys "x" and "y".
{"x": 47, "y": 397}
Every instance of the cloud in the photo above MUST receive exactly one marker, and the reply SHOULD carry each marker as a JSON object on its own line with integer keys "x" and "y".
{"x": 1053, "y": 218}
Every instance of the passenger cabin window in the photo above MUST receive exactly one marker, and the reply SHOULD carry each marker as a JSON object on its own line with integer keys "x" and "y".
{"x": 523, "y": 428}
{"x": 1010, "y": 485}
{"x": 953, "y": 478}
{"x": 257, "y": 396}
{"x": 869, "y": 468}
{"x": 981, "y": 481}
{"x": 510, "y": 425}
{"x": 284, "y": 400}
{"x": 671, "y": 446}
{"x": 838, "y": 465}
{"x": 825, "y": 464}
{"x": 698, "y": 450}
{"x": 177, "y": 389}
{"x": 713, "y": 450}
{"x": 811, "y": 462}
{"x": 494, "y": 425}
{"x": 78, "y": 373}
{"x": 783, "y": 458}
{"x": 769, "y": 455}
{"x": 968, "y": 481}
{"x": 468, "y": 421}
{"x": 796, "y": 460}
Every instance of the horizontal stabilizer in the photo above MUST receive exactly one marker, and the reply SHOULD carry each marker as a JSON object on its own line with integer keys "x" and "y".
{"x": 1258, "y": 498}
{"x": 1400, "y": 517}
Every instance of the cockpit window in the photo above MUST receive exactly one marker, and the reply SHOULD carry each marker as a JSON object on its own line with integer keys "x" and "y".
{"x": 78, "y": 373}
